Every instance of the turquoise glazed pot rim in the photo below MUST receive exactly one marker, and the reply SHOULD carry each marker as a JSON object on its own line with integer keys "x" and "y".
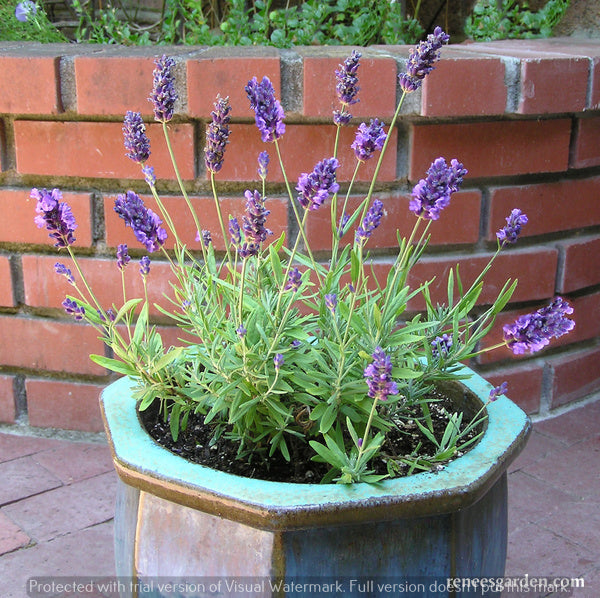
{"x": 143, "y": 463}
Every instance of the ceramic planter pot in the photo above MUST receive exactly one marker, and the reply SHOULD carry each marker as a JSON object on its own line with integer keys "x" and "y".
{"x": 181, "y": 521}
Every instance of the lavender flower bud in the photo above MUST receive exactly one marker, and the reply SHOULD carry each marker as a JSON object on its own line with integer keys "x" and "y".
{"x": 241, "y": 331}
{"x": 64, "y": 271}
{"x": 369, "y": 139}
{"x": 421, "y": 60}
{"x": 347, "y": 87}
{"x": 317, "y": 186}
{"x": 263, "y": 163}
{"x": 145, "y": 266}
{"x": 510, "y": 233}
{"x": 122, "y": 257}
{"x": 145, "y": 223}
{"x": 294, "y": 280}
{"x": 378, "y": 375}
{"x": 331, "y": 302}
{"x": 217, "y": 136}
{"x": 370, "y": 222}
{"x": 268, "y": 112}
{"x": 533, "y": 332}
{"x": 73, "y": 308}
{"x": 205, "y": 237}
{"x": 440, "y": 346}
{"x": 235, "y": 232}
{"x": 163, "y": 95}
{"x": 135, "y": 140}
{"x": 431, "y": 195}
{"x": 278, "y": 360}
{"x": 149, "y": 175}
{"x": 498, "y": 391}
{"x": 55, "y": 215}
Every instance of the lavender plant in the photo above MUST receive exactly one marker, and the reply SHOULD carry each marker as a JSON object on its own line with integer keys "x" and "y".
{"x": 291, "y": 351}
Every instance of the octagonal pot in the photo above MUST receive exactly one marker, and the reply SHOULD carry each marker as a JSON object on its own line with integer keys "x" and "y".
{"x": 215, "y": 534}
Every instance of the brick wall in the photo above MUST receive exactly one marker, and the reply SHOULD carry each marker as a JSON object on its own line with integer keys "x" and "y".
{"x": 524, "y": 118}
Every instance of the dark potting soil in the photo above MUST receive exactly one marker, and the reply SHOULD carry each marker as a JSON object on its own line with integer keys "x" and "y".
{"x": 194, "y": 444}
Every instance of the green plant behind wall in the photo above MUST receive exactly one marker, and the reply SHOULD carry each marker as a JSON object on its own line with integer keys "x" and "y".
{"x": 510, "y": 20}
{"x": 261, "y": 22}
{"x": 37, "y": 28}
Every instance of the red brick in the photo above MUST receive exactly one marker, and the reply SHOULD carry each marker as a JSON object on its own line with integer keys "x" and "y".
{"x": 6, "y": 290}
{"x": 8, "y": 411}
{"x": 66, "y": 405}
{"x": 575, "y": 376}
{"x": 550, "y": 207}
{"x": 534, "y": 268}
{"x": 541, "y": 78}
{"x": 30, "y": 84}
{"x": 462, "y": 85}
{"x": 113, "y": 84}
{"x": 524, "y": 383}
{"x": 587, "y": 148}
{"x": 44, "y": 344}
{"x": 302, "y": 146}
{"x": 581, "y": 264}
{"x": 45, "y": 288}
{"x": 17, "y": 224}
{"x": 453, "y": 228}
{"x": 493, "y": 148}
{"x": 95, "y": 149}
{"x": 377, "y": 80}
{"x": 227, "y": 72}
{"x": 595, "y": 99}
{"x": 117, "y": 232}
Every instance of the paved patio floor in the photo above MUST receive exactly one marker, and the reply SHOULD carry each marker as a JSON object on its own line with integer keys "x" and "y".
{"x": 57, "y": 502}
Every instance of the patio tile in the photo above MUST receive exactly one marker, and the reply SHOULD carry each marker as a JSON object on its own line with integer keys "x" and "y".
{"x": 13, "y": 446}
{"x": 76, "y": 461}
{"x": 11, "y": 535}
{"x": 66, "y": 509}
{"x": 84, "y": 553}
{"x": 537, "y": 447}
{"x": 574, "y": 426}
{"x": 531, "y": 500}
{"x": 23, "y": 477}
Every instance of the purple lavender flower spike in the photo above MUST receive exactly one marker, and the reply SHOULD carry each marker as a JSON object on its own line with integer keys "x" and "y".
{"x": 145, "y": 223}
{"x": 431, "y": 195}
{"x": 278, "y": 360}
{"x": 241, "y": 331}
{"x": 205, "y": 237}
{"x": 294, "y": 280}
{"x": 145, "y": 266}
{"x": 317, "y": 186}
{"x": 498, "y": 391}
{"x": 24, "y": 10}
{"x": 74, "y": 309}
{"x": 421, "y": 60}
{"x": 135, "y": 140}
{"x": 163, "y": 96}
{"x": 378, "y": 375}
{"x": 217, "y": 136}
{"x": 62, "y": 270}
{"x": 440, "y": 346}
{"x": 253, "y": 222}
{"x": 55, "y": 215}
{"x": 347, "y": 87}
{"x": 532, "y": 332}
{"x": 370, "y": 222}
{"x": 342, "y": 226}
{"x": 510, "y": 233}
{"x": 123, "y": 257}
{"x": 369, "y": 139}
{"x": 331, "y": 302}
{"x": 263, "y": 163}
{"x": 268, "y": 112}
